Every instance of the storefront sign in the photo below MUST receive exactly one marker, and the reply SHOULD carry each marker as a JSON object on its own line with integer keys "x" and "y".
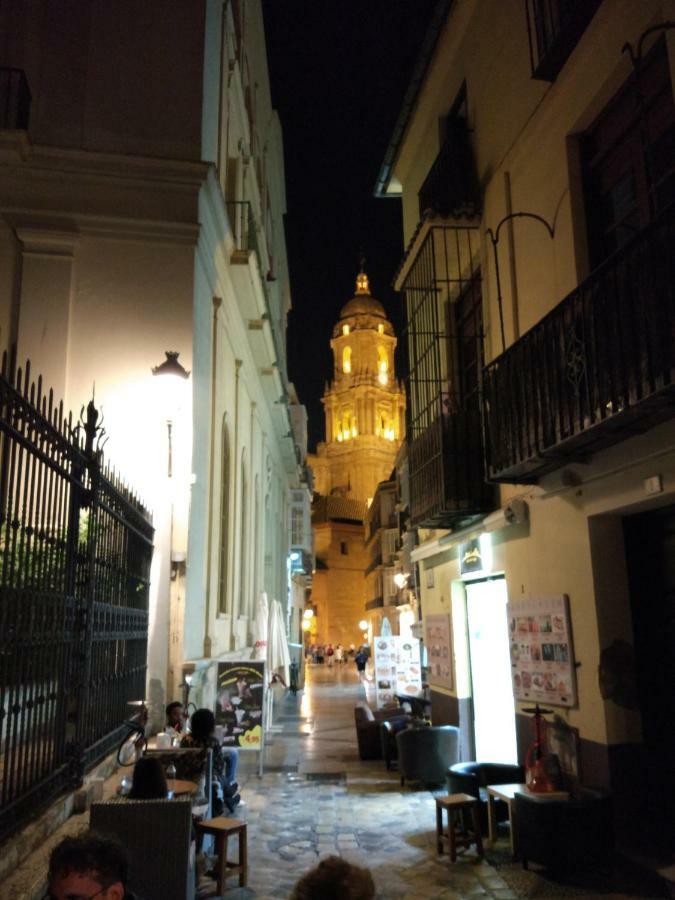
{"x": 239, "y": 703}
{"x": 542, "y": 658}
{"x": 470, "y": 557}
{"x": 438, "y": 641}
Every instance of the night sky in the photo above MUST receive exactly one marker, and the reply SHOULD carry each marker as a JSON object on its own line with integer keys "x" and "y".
{"x": 338, "y": 70}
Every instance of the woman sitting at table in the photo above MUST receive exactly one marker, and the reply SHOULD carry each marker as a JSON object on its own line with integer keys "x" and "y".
{"x": 148, "y": 780}
{"x": 225, "y": 759}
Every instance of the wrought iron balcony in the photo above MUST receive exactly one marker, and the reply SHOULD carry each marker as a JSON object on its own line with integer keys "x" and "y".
{"x": 447, "y": 477}
{"x": 14, "y": 99}
{"x": 375, "y": 604}
{"x": 554, "y": 28}
{"x": 597, "y": 369}
{"x": 451, "y": 187}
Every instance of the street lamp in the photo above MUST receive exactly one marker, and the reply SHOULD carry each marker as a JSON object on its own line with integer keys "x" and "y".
{"x": 173, "y": 376}
{"x": 363, "y": 625}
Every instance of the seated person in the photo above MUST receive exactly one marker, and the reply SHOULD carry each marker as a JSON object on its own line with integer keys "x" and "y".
{"x": 335, "y": 879}
{"x": 176, "y": 717}
{"x": 225, "y": 759}
{"x": 148, "y": 781}
{"x": 88, "y": 865}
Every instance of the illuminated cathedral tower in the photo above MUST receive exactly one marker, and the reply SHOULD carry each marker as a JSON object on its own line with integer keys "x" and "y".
{"x": 364, "y": 404}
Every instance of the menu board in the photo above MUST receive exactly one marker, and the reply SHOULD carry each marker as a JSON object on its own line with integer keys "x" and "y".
{"x": 542, "y": 657}
{"x": 438, "y": 641}
{"x": 239, "y": 704}
{"x": 397, "y": 668}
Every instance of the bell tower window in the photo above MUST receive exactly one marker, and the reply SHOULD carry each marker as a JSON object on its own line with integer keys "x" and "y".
{"x": 347, "y": 360}
{"x": 382, "y": 366}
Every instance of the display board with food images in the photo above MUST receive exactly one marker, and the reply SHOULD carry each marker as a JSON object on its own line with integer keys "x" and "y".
{"x": 438, "y": 642}
{"x": 397, "y": 668}
{"x": 239, "y": 704}
{"x": 542, "y": 657}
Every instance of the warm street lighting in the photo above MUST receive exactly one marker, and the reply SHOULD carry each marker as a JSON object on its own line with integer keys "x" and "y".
{"x": 400, "y": 579}
{"x": 363, "y": 624}
{"x": 306, "y": 624}
{"x": 173, "y": 376}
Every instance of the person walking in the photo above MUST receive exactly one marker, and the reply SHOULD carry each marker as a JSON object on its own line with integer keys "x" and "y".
{"x": 339, "y": 654}
{"x": 330, "y": 653}
{"x": 361, "y": 659}
{"x": 320, "y": 650}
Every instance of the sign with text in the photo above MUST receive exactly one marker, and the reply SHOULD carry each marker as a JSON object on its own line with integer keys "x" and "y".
{"x": 542, "y": 658}
{"x": 397, "y": 668}
{"x": 239, "y": 703}
{"x": 438, "y": 641}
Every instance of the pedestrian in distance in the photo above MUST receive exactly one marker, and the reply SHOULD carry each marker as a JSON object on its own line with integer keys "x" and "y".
{"x": 361, "y": 659}
{"x": 320, "y": 650}
{"x": 339, "y": 654}
{"x": 330, "y": 653}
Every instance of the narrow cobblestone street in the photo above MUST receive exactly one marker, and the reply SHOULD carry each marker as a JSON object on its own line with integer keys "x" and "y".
{"x": 317, "y": 798}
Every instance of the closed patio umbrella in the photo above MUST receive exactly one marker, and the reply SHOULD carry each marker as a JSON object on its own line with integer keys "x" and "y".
{"x": 278, "y": 655}
{"x": 261, "y": 628}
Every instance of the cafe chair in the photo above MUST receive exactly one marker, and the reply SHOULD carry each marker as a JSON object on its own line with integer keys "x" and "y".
{"x": 565, "y": 836}
{"x": 158, "y": 837}
{"x": 367, "y": 725}
{"x": 474, "y": 777}
{"x": 388, "y": 732}
{"x": 425, "y": 753}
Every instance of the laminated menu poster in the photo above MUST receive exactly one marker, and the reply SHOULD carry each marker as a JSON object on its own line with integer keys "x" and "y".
{"x": 438, "y": 641}
{"x": 397, "y": 668}
{"x": 542, "y": 656}
{"x": 239, "y": 704}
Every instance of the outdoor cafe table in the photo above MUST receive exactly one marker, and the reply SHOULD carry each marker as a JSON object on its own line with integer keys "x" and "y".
{"x": 178, "y": 786}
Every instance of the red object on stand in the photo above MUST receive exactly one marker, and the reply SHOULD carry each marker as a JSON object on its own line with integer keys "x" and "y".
{"x": 537, "y": 778}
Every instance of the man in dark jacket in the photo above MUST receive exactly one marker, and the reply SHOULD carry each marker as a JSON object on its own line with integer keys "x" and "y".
{"x": 88, "y": 866}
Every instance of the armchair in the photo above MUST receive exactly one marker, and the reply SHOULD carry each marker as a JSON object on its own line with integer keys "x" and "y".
{"x": 158, "y": 837}
{"x": 424, "y": 754}
{"x": 473, "y": 778}
{"x": 367, "y": 724}
{"x": 388, "y": 732}
{"x": 565, "y": 835}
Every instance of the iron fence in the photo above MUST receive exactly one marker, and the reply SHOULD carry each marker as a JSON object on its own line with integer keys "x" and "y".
{"x": 75, "y": 553}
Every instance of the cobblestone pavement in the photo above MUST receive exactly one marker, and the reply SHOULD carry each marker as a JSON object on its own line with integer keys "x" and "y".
{"x": 317, "y": 798}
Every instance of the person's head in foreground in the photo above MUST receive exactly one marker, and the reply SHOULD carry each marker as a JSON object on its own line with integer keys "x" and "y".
{"x": 175, "y": 715}
{"x": 203, "y": 724}
{"x": 335, "y": 879}
{"x": 87, "y": 866}
{"x": 148, "y": 781}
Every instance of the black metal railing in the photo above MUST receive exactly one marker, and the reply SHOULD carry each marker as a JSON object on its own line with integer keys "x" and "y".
{"x": 14, "y": 99}
{"x": 75, "y": 553}
{"x": 447, "y": 476}
{"x": 451, "y": 187}
{"x": 554, "y": 28}
{"x": 375, "y": 604}
{"x": 597, "y": 368}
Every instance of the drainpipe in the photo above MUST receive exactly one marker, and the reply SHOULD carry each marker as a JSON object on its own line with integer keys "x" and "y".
{"x": 217, "y": 302}
{"x": 515, "y": 318}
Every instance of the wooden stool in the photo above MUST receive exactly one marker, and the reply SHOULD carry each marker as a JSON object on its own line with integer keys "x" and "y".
{"x": 222, "y": 829}
{"x": 457, "y": 805}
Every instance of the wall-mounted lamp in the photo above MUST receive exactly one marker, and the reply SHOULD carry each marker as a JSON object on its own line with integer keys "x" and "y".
{"x": 173, "y": 375}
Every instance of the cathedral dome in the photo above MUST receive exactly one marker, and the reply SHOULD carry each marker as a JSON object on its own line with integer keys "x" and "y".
{"x": 363, "y": 308}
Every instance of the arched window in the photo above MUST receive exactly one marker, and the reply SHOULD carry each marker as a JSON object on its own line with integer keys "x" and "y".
{"x": 347, "y": 360}
{"x": 223, "y": 606}
{"x": 382, "y": 366}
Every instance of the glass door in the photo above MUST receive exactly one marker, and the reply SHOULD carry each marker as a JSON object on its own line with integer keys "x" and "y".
{"x": 493, "y": 704}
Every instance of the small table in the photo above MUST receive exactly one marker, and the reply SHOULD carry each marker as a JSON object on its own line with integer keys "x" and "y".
{"x": 507, "y": 793}
{"x": 222, "y": 829}
{"x": 457, "y": 804}
{"x": 179, "y": 786}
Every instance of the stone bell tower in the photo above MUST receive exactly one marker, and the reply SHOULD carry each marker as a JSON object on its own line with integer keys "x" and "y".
{"x": 364, "y": 404}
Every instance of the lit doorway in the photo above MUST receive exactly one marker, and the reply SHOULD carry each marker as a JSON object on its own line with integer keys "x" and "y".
{"x": 493, "y": 705}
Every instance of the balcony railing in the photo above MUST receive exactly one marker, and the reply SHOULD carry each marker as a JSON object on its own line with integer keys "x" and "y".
{"x": 554, "y": 28}
{"x": 447, "y": 477}
{"x": 451, "y": 187}
{"x": 597, "y": 369}
{"x": 375, "y": 604}
{"x": 14, "y": 99}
